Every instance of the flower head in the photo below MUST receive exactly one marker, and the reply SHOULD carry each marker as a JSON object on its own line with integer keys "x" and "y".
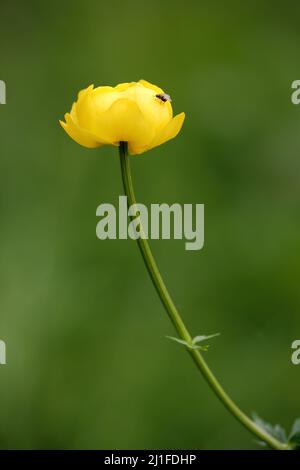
{"x": 138, "y": 113}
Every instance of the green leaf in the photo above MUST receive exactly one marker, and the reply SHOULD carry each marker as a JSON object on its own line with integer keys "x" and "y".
{"x": 261, "y": 443}
{"x": 201, "y": 348}
{"x": 295, "y": 428}
{"x": 205, "y": 347}
{"x": 194, "y": 343}
{"x": 295, "y": 441}
{"x": 276, "y": 431}
{"x": 294, "y": 437}
{"x": 199, "y": 339}
{"x": 178, "y": 340}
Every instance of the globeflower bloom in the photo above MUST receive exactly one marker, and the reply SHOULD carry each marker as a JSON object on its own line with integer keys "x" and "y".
{"x": 138, "y": 113}
{"x": 136, "y": 117}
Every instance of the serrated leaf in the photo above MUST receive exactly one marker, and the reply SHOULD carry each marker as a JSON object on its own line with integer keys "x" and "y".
{"x": 200, "y": 338}
{"x": 276, "y": 431}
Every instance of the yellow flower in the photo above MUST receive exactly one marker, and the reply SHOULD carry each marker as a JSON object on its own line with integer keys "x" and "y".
{"x": 138, "y": 113}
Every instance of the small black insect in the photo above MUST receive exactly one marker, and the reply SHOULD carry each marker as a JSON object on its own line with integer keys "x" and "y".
{"x": 163, "y": 97}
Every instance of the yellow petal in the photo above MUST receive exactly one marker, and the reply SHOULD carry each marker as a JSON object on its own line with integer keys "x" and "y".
{"x": 128, "y": 112}
{"x": 157, "y": 113}
{"x": 168, "y": 132}
{"x": 150, "y": 86}
{"x": 80, "y": 136}
{"x": 124, "y": 86}
{"x": 85, "y": 109}
{"x": 73, "y": 112}
{"x": 104, "y": 97}
{"x": 84, "y": 91}
{"x": 124, "y": 121}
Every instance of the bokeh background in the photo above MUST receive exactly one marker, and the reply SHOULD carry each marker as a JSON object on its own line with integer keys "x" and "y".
{"x": 88, "y": 364}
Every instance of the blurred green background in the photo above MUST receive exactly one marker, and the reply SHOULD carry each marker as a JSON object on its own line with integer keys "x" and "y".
{"x": 88, "y": 364}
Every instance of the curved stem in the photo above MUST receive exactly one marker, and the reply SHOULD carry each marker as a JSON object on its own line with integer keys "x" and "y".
{"x": 178, "y": 322}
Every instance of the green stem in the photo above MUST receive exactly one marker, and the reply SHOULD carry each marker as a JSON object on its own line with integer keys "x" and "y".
{"x": 178, "y": 322}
